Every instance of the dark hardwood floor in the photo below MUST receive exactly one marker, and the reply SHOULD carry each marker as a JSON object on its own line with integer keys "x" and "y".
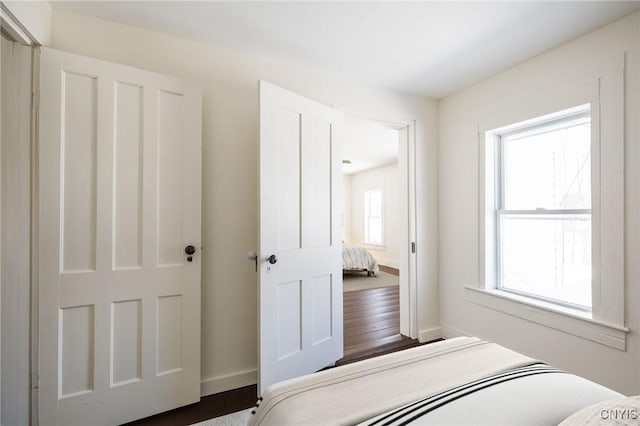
{"x": 209, "y": 407}
{"x": 372, "y": 324}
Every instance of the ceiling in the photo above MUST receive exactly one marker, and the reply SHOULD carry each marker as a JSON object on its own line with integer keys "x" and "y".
{"x": 425, "y": 48}
{"x": 368, "y": 144}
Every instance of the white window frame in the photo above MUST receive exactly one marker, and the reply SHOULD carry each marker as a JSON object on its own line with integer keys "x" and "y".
{"x": 368, "y": 217}
{"x": 561, "y": 119}
{"x": 605, "y": 323}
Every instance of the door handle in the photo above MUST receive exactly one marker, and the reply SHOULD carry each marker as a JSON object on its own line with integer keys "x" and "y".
{"x": 189, "y": 251}
{"x": 273, "y": 259}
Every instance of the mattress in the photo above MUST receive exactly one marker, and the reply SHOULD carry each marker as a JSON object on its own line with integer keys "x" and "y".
{"x": 458, "y": 381}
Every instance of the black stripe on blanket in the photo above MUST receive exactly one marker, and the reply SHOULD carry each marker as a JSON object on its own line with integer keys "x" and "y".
{"x": 415, "y": 410}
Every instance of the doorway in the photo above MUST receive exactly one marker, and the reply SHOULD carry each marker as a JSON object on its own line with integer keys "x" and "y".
{"x": 378, "y": 242}
{"x": 300, "y": 255}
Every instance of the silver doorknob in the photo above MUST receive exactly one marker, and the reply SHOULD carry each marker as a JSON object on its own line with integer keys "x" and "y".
{"x": 272, "y": 259}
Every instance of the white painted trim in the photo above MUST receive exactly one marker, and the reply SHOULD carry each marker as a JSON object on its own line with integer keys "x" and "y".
{"x": 430, "y": 334}
{"x": 449, "y": 332}
{"x": 413, "y": 230}
{"x": 12, "y": 27}
{"x": 1, "y": 203}
{"x": 35, "y": 138}
{"x": 16, "y": 198}
{"x": 407, "y": 263}
{"x": 574, "y": 322}
{"x": 33, "y": 18}
{"x": 605, "y": 92}
{"x": 217, "y": 384}
{"x": 371, "y": 246}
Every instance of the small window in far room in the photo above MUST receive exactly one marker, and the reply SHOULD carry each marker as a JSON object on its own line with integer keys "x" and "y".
{"x": 373, "y": 217}
{"x": 543, "y": 223}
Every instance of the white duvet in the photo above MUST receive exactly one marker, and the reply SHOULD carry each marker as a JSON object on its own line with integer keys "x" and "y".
{"x": 371, "y": 391}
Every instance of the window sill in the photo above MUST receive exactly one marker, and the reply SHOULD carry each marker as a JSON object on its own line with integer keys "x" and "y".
{"x": 575, "y": 322}
{"x": 374, "y": 246}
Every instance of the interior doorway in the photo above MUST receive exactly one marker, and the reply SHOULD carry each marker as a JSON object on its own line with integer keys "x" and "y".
{"x": 378, "y": 237}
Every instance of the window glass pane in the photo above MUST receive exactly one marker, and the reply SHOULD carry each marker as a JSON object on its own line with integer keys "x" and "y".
{"x": 373, "y": 217}
{"x": 547, "y": 256}
{"x": 549, "y": 169}
{"x": 375, "y": 231}
{"x": 375, "y": 203}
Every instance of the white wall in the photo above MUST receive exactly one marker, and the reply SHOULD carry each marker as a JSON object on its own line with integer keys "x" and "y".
{"x": 346, "y": 209}
{"x": 386, "y": 178}
{"x": 459, "y": 117}
{"x": 230, "y": 119}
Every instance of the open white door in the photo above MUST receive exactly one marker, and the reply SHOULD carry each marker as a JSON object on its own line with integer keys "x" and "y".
{"x": 300, "y": 257}
{"x": 119, "y": 201}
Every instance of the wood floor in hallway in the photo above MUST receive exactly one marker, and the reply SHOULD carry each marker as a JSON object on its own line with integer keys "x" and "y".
{"x": 372, "y": 323}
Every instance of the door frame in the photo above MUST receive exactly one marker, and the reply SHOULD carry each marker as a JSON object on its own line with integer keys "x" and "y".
{"x": 408, "y": 256}
{"x": 20, "y": 33}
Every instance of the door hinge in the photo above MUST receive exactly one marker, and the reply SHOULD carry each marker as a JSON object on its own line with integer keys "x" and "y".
{"x": 413, "y": 247}
{"x": 35, "y": 383}
{"x": 252, "y": 255}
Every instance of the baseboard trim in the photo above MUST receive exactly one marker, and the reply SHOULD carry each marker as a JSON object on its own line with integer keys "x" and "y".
{"x": 389, "y": 262}
{"x": 219, "y": 384}
{"x": 430, "y": 334}
{"x": 449, "y": 332}
{"x": 389, "y": 269}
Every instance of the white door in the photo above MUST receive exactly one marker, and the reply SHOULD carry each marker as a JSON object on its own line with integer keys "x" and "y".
{"x": 119, "y": 200}
{"x": 300, "y": 296}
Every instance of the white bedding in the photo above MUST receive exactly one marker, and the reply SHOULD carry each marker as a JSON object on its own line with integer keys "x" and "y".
{"x": 358, "y": 259}
{"x": 445, "y": 371}
{"x": 539, "y": 399}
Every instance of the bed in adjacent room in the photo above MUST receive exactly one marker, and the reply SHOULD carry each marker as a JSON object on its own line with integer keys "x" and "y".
{"x": 458, "y": 381}
{"x": 358, "y": 259}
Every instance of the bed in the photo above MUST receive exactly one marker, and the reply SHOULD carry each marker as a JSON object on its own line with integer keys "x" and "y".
{"x": 461, "y": 381}
{"x": 358, "y": 259}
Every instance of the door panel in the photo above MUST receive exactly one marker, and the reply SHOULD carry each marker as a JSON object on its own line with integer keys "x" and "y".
{"x": 126, "y": 342}
{"x": 301, "y": 293}
{"x": 119, "y": 178}
{"x": 78, "y": 197}
{"x": 129, "y": 127}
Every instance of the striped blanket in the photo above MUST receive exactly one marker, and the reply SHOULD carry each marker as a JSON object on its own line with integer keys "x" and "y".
{"x": 416, "y": 410}
{"x": 358, "y": 259}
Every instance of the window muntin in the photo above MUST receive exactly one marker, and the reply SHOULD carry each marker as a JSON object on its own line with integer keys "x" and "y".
{"x": 373, "y": 217}
{"x": 543, "y": 212}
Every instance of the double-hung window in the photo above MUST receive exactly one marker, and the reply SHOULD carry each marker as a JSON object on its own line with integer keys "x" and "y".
{"x": 373, "y": 217}
{"x": 543, "y": 229}
{"x": 551, "y": 209}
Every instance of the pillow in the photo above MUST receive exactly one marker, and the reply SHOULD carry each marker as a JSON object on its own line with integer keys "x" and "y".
{"x": 623, "y": 411}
